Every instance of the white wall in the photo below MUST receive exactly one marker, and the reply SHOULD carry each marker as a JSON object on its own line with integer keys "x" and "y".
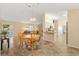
{"x": 73, "y": 28}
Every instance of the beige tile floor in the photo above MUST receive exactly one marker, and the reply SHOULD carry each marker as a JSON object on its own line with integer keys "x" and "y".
{"x": 58, "y": 48}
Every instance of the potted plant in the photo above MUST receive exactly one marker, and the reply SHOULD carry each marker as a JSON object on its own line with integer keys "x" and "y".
{"x": 5, "y": 30}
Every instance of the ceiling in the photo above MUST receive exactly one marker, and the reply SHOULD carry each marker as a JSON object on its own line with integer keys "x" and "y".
{"x": 24, "y": 11}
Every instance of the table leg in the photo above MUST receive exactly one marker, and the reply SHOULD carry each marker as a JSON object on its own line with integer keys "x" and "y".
{"x": 1, "y": 44}
{"x": 8, "y": 42}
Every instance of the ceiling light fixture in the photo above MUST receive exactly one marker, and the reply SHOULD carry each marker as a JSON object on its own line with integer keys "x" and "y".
{"x": 33, "y": 19}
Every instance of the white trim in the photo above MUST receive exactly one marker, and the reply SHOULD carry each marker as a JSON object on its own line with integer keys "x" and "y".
{"x": 72, "y": 46}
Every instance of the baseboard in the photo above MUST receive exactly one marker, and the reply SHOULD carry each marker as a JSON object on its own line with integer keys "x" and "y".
{"x": 73, "y": 47}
